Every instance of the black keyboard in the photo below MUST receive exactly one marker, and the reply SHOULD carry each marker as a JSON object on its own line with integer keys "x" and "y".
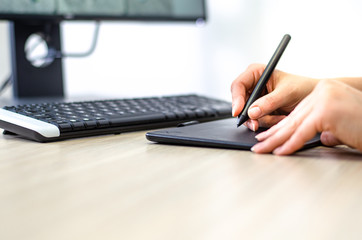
{"x": 57, "y": 121}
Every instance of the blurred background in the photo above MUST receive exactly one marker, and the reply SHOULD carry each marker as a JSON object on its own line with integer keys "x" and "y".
{"x": 135, "y": 59}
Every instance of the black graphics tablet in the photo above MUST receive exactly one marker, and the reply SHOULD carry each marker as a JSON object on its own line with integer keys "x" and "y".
{"x": 219, "y": 134}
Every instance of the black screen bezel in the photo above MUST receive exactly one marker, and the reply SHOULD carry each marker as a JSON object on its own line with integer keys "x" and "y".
{"x": 58, "y": 18}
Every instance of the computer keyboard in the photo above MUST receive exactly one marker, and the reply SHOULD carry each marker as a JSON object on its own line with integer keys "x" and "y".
{"x": 47, "y": 122}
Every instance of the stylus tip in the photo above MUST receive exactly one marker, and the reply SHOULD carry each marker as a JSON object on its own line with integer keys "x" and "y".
{"x": 241, "y": 120}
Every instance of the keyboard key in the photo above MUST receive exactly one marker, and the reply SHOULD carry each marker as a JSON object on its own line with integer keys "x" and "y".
{"x": 170, "y": 115}
{"x": 200, "y": 113}
{"x": 103, "y": 123}
{"x": 90, "y": 124}
{"x": 78, "y": 126}
{"x": 65, "y": 127}
{"x": 190, "y": 114}
{"x": 180, "y": 115}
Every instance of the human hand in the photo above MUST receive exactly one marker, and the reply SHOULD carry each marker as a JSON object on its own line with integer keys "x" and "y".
{"x": 283, "y": 92}
{"x": 333, "y": 109}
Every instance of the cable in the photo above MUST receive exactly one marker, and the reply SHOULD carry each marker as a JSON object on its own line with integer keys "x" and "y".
{"x": 53, "y": 53}
{"x": 87, "y": 53}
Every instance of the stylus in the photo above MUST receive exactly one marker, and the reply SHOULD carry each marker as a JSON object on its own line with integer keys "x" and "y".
{"x": 243, "y": 116}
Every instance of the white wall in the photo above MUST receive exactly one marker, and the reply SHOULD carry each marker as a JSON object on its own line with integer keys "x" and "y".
{"x": 144, "y": 59}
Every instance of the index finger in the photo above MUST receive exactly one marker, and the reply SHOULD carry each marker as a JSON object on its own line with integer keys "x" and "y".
{"x": 243, "y": 85}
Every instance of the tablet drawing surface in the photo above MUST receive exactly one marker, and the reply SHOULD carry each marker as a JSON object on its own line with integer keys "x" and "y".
{"x": 220, "y": 134}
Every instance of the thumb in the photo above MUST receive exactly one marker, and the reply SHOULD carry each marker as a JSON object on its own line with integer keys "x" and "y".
{"x": 266, "y": 105}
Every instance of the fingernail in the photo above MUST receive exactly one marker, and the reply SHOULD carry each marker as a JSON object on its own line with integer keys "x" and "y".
{"x": 254, "y": 112}
{"x": 253, "y": 126}
{"x": 233, "y": 109}
{"x": 255, "y": 148}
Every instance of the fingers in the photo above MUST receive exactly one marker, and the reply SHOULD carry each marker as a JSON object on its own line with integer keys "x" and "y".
{"x": 238, "y": 94}
{"x": 287, "y": 139}
{"x": 238, "y": 101}
{"x": 291, "y": 133}
{"x": 267, "y": 104}
{"x": 253, "y": 125}
{"x": 302, "y": 134}
{"x": 331, "y": 108}
{"x": 264, "y": 135}
{"x": 271, "y": 138}
{"x": 277, "y": 98}
{"x": 266, "y": 122}
{"x": 270, "y": 120}
{"x": 243, "y": 84}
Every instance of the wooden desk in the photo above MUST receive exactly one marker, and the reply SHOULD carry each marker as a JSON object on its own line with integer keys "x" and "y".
{"x": 124, "y": 187}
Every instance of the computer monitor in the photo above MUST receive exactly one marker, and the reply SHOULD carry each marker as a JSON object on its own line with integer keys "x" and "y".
{"x": 43, "y": 17}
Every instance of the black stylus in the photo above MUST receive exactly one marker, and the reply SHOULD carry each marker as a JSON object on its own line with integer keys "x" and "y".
{"x": 243, "y": 116}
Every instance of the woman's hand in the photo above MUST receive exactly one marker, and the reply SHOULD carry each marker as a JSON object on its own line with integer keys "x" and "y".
{"x": 283, "y": 92}
{"x": 333, "y": 109}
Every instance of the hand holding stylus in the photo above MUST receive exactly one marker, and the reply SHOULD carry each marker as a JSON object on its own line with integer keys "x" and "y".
{"x": 332, "y": 107}
{"x": 260, "y": 85}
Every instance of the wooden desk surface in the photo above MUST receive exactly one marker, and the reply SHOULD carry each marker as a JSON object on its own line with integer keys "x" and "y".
{"x": 124, "y": 187}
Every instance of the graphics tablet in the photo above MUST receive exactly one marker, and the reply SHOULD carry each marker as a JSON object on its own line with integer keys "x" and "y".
{"x": 219, "y": 134}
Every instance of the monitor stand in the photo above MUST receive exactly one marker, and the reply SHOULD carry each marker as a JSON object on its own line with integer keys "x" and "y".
{"x": 30, "y": 81}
